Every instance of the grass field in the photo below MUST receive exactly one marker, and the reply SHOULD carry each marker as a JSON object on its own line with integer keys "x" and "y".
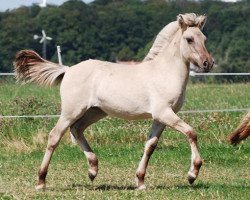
{"x": 119, "y": 146}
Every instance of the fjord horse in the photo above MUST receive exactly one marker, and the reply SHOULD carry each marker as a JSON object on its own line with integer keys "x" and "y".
{"x": 154, "y": 89}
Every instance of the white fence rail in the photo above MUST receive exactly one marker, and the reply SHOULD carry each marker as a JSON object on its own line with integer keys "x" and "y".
{"x": 7, "y": 74}
{"x": 218, "y": 74}
{"x": 184, "y": 111}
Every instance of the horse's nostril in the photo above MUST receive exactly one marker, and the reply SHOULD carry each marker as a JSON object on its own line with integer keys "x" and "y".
{"x": 205, "y": 64}
{"x": 212, "y": 64}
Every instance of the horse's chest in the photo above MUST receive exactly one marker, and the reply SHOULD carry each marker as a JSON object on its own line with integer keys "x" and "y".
{"x": 174, "y": 95}
{"x": 174, "y": 98}
{"x": 178, "y": 102}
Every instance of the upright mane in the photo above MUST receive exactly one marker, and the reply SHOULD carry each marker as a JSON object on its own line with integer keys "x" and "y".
{"x": 166, "y": 35}
{"x": 162, "y": 39}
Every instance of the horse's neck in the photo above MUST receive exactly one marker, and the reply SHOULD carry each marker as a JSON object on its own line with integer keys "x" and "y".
{"x": 171, "y": 59}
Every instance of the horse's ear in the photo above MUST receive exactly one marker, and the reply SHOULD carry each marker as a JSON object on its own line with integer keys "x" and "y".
{"x": 181, "y": 22}
{"x": 201, "y": 21}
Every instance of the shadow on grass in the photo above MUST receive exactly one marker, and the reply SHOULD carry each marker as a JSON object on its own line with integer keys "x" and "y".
{"x": 109, "y": 187}
{"x": 103, "y": 187}
{"x": 106, "y": 187}
{"x": 204, "y": 186}
{"x": 186, "y": 186}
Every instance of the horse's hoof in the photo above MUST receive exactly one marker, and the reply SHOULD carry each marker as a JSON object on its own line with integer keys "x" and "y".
{"x": 142, "y": 187}
{"x": 92, "y": 174}
{"x": 40, "y": 188}
{"x": 191, "y": 178}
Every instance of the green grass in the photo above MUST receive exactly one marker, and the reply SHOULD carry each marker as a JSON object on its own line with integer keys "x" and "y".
{"x": 119, "y": 146}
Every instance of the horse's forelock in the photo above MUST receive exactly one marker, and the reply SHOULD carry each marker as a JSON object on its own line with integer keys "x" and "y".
{"x": 201, "y": 21}
{"x": 192, "y": 20}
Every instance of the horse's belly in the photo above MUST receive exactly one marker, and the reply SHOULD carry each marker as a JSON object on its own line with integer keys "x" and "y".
{"x": 126, "y": 103}
{"x": 126, "y": 114}
{"x": 125, "y": 108}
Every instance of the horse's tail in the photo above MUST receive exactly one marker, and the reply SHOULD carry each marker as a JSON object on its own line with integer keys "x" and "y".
{"x": 242, "y": 132}
{"x": 30, "y": 67}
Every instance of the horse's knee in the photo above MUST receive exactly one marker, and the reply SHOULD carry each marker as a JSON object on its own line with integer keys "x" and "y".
{"x": 191, "y": 134}
{"x": 52, "y": 143}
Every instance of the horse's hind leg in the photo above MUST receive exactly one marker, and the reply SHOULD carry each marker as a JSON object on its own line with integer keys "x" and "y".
{"x": 150, "y": 145}
{"x": 53, "y": 140}
{"x": 91, "y": 116}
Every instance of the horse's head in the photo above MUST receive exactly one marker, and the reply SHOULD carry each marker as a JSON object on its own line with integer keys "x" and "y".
{"x": 192, "y": 44}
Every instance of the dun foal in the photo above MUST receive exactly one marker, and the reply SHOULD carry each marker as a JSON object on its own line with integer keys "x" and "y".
{"x": 155, "y": 89}
{"x": 242, "y": 132}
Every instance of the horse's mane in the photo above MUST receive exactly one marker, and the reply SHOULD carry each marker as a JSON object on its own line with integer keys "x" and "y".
{"x": 167, "y": 34}
{"x": 162, "y": 39}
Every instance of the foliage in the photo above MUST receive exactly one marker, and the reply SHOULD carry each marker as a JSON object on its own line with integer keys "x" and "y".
{"x": 123, "y": 29}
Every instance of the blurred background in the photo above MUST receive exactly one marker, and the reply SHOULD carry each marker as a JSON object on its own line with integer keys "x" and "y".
{"x": 120, "y": 30}
{"x": 123, "y": 30}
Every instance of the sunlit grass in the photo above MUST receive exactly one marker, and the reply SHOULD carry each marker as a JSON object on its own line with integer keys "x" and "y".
{"x": 119, "y": 146}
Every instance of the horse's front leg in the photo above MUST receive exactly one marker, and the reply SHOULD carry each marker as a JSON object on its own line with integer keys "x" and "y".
{"x": 169, "y": 118}
{"x": 150, "y": 145}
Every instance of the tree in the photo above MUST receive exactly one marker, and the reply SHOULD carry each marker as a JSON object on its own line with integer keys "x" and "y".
{"x": 123, "y": 29}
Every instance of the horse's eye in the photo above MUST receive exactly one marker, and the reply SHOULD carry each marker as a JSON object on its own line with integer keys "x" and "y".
{"x": 190, "y": 40}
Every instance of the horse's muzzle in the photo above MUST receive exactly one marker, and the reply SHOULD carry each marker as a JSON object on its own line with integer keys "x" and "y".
{"x": 207, "y": 66}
